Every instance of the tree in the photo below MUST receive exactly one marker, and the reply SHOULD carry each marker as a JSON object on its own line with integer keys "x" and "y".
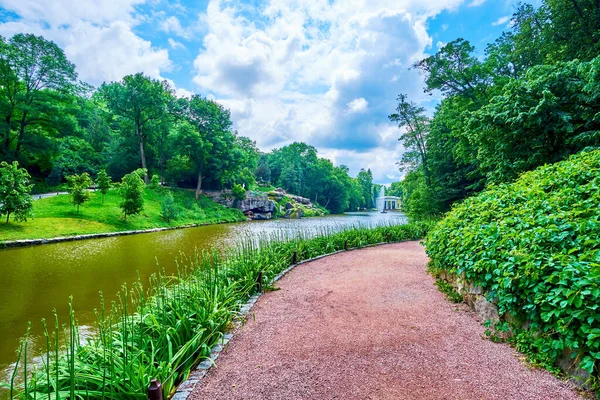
{"x": 263, "y": 171}
{"x": 142, "y": 101}
{"x": 104, "y": 183}
{"x": 78, "y": 188}
{"x": 34, "y": 74}
{"x": 168, "y": 209}
{"x": 412, "y": 118}
{"x": 15, "y": 191}
{"x": 365, "y": 179}
{"x": 454, "y": 71}
{"x": 132, "y": 192}
{"x": 154, "y": 182}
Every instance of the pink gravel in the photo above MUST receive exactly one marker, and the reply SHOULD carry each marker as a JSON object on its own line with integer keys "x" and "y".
{"x": 369, "y": 324}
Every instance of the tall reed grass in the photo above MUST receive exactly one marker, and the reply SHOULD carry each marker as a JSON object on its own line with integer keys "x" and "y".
{"x": 162, "y": 329}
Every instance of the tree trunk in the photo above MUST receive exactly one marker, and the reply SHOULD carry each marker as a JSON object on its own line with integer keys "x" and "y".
{"x": 7, "y": 216}
{"x": 7, "y": 120}
{"x": 199, "y": 185}
{"x": 21, "y": 133}
{"x": 138, "y": 132}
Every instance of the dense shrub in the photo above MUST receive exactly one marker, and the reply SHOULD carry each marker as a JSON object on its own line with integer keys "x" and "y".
{"x": 534, "y": 246}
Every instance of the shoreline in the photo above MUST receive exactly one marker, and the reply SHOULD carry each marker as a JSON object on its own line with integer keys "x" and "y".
{"x": 35, "y": 242}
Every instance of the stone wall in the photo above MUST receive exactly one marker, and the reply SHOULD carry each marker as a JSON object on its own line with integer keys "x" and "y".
{"x": 477, "y": 299}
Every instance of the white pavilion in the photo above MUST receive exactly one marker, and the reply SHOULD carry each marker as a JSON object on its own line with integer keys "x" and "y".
{"x": 385, "y": 203}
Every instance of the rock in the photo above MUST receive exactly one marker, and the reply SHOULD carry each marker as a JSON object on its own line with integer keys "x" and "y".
{"x": 288, "y": 206}
{"x": 300, "y": 199}
{"x": 297, "y": 213}
{"x": 488, "y": 311}
{"x": 263, "y": 216}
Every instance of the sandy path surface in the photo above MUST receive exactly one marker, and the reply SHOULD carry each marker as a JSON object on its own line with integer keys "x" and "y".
{"x": 369, "y": 324}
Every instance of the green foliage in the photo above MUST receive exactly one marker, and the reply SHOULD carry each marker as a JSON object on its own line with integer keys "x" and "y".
{"x": 168, "y": 209}
{"x": 131, "y": 190}
{"x": 449, "y": 291}
{"x": 154, "y": 182}
{"x": 238, "y": 192}
{"x": 533, "y": 247}
{"x": 162, "y": 331}
{"x": 78, "y": 188}
{"x": 15, "y": 191}
{"x": 104, "y": 183}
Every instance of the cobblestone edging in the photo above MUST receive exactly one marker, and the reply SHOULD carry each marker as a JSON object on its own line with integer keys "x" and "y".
{"x": 199, "y": 372}
{"x": 34, "y": 242}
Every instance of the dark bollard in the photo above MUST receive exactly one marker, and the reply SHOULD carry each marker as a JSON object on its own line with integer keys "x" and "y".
{"x": 295, "y": 258}
{"x": 346, "y": 244}
{"x": 388, "y": 238}
{"x": 259, "y": 281}
{"x": 155, "y": 390}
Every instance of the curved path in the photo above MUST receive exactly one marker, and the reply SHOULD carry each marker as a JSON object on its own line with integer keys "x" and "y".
{"x": 369, "y": 324}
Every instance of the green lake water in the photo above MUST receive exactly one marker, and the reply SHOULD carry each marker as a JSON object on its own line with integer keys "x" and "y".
{"x": 35, "y": 280}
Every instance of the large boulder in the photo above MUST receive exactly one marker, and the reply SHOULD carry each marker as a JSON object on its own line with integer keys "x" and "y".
{"x": 256, "y": 206}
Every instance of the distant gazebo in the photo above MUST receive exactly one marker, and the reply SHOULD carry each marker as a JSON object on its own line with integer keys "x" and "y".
{"x": 385, "y": 203}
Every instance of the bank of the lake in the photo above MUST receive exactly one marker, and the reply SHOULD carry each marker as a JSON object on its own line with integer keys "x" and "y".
{"x": 56, "y": 216}
{"x": 40, "y": 278}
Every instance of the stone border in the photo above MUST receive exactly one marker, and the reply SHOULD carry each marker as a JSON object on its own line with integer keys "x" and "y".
{"x": 185, "y": 388}
{"x": 34, "y": 242}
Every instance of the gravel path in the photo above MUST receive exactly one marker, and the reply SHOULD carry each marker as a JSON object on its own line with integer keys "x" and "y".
{"x": 369, "y": 324}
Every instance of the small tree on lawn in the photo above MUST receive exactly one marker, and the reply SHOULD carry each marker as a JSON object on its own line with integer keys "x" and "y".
{"x": 15, "y": 191}
{"x": 78, "y": 188}
{"x": 154, "y": 182}
{"x": 168, "y": 210}
{"x": 132, "y": 192}
{"x": 104, "y": 183}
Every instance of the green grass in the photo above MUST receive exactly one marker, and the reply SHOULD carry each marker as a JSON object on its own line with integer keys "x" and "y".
{"x": 56, "y": 216}
{"x": 162, "y": 331}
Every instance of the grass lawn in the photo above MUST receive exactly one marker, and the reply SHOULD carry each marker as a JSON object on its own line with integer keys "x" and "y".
{"x": 57, "y": 216}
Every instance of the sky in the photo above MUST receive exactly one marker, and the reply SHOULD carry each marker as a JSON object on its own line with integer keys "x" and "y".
{"x": 326, "y": 72}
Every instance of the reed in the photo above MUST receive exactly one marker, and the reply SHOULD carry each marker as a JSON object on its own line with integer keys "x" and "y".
{"x": 161, "y": 330}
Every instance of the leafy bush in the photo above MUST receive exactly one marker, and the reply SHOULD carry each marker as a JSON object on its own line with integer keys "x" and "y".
{"x": 238, "y": 192}
{"x": 534, "y": 247}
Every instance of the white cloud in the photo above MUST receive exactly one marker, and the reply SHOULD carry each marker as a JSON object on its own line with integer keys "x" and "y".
{"x": 303, "y": 70}
{"x": 358, "y": 105}
{"x": 97, "y": 35}
{"x": 172, "y": 25}
{"x": 175, "y": 44}
{"x": 476, "y": 3}
{"x": 501, "y": 21}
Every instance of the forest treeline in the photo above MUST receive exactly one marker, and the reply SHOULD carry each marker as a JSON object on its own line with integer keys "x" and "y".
{"x": 532, "y": 99}
{"x": 56, "y": 126}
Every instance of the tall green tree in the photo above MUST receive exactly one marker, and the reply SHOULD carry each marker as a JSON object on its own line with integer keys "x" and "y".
{"x": 15, "y": 192}
{"x": 415, "y": 123}
{"x": 143, "y": 102}
{"x": 35, "y": 76}
{"x": 365, "y": 180}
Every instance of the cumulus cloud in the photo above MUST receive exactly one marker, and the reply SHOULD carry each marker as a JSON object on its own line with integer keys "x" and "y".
{"x": 358, "y": 105}
{"x": 323, "y": 72}
{"x": 97, "y": 35}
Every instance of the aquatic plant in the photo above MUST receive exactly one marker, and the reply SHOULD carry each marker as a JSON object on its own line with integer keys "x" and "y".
{"x": 162, "y": 329}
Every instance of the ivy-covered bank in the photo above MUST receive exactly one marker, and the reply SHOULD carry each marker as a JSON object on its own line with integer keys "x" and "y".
{"x": 533, "y": 246}
{"x": 162, "y": 331}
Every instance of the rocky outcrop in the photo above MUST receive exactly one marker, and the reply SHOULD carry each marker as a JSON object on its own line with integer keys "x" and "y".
{"x": 256, "y": 206}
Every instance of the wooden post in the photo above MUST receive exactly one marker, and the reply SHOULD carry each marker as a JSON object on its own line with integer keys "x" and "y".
{"x": 388, "y": 238}
{"x": 346, "y": 244}
{"x": 295, "y": 258}
{"x": 155, "y": 390}
{"x": 259, "y": 280}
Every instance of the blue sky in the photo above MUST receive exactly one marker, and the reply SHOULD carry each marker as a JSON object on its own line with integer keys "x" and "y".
{"x": 326, "y": 72}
